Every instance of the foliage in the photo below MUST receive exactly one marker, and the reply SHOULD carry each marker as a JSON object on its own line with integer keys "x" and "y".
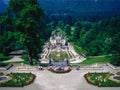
{"x": 99, "y": 79}
{"x": 4, "y": 64}
{"x": 19, "y": 80}
{"x": 1, "y": 73}
{"x": 118, "y": 73}
{"x": 22, "y": 25}
{"x": 79, "y": 50}
{"x": 93, "y": 36}
{"x": 26, "y": 60}
{"x": 3, "y": 58}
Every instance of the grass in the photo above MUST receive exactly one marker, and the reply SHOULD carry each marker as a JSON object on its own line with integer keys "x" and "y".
{"x": 18, "y": 80}
{"x": 99, "y": 79}
{"x": 58, "y": 56}
{"x": 94, "y": 60}
{"x": 3, "y": 57}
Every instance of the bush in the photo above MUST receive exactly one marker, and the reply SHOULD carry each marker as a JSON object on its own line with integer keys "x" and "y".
{"x": 118, "y": 73}
{"x": 3, "y": 57}
{"x": 79, "y": 50}
{"x": 1, "y": 73}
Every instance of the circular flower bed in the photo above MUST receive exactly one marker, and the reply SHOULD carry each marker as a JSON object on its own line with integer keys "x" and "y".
{"x": 59, "y": 69}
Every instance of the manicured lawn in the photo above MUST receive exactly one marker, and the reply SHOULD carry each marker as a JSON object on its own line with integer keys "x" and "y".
{"x": 58, "y": 56}
{"x": 94, "y": 60}
{"x": 101, "y": 80}
{"x": 19, "y": 80}
{"x": 3, "y": 58}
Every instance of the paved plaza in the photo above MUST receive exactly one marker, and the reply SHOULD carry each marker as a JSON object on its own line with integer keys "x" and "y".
{"x": 73, "y": 80}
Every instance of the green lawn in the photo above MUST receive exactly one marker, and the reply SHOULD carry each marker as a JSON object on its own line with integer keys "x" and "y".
{"x": 95, "y": 60}
{"x": 19, "y": 80}
{"x": 3, "y": 57}
{"x": 58, "y": 56}
{"x": 101, "y": 80}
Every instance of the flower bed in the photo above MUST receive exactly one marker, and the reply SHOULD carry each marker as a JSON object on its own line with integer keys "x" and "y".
{"x": 59, "y": 71}
{"x": 101, "y": 80}
{"x": 19, "y": 80}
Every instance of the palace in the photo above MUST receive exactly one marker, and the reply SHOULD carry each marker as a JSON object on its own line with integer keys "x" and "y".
{"x": 58, "y": 39}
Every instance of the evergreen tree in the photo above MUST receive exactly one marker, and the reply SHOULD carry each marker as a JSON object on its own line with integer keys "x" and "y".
{"x": 27, "y": 16}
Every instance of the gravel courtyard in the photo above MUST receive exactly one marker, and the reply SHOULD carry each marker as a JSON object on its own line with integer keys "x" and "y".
{"x": 73, "y": 80}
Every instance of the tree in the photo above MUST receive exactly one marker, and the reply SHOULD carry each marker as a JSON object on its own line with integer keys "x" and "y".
{"x": 76, "y": 32}
{"x": 27, "y": 16}
{"x": 61, "y": 24}
{"x": 67, "y": 29}
{"x": 116, "y": 50}
{"x": 6, "y": 36}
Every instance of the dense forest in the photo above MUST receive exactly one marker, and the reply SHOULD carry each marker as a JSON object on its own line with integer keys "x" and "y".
{"x": 92, "y": 36}
{"x": 25, "y": 26}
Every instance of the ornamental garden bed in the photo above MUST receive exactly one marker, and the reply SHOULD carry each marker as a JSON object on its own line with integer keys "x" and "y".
{"x": 65, "y": 70}
{"x": 18, "y": 80}
{"x": 101, "y": 79}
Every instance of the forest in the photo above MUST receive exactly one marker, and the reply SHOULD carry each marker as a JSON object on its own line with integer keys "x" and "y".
{"x": 25, "y": 26}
